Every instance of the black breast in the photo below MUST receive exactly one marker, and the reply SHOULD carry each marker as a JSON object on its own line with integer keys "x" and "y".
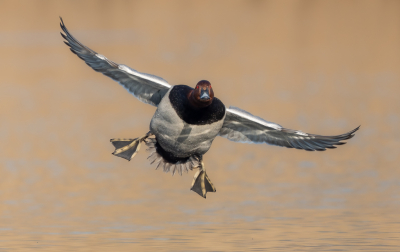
{"x": 191, "y": 115}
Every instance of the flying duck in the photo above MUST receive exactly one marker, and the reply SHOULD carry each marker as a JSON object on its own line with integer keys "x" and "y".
{"x": 187, "y": 120}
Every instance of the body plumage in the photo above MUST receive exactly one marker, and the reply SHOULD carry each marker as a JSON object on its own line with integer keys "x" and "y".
{"x": 184, "y": 130}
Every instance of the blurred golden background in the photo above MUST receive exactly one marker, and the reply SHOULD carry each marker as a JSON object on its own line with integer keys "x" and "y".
{"x": 323, "y": 67}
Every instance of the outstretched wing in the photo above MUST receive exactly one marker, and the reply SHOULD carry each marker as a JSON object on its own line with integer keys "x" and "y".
{"x": 241, "y": 126}
{"x": 146, "y": 87}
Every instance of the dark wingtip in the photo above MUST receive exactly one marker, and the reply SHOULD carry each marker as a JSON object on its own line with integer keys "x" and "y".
{"x": 343, "y": 137}
{"x": 62, "y": 23}
{"x": 354, "y": 130}
{"x": 352, "y": 133}
{"x": 64, "y": 29}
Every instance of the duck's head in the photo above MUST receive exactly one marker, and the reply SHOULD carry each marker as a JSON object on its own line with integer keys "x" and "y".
{"x": 202, "y": 95}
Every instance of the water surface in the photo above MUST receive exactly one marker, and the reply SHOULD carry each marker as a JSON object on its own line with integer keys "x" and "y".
{"x": 320, "y": 67}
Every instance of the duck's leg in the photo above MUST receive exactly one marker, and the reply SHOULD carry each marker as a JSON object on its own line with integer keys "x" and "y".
{"x": 201, "y": 182}
{"x": 127, "y": 148}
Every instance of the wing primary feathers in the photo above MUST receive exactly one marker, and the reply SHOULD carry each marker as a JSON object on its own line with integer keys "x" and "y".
{"x": 68, "y": 36}
{"x": 142, "y": 86}
{"x": 241, "y": 126}
{"x": 295, "y": 144}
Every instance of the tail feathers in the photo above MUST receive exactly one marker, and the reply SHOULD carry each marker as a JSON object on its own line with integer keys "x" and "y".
{"x": 157, "y": 156}
{"x": 125, "y": 148}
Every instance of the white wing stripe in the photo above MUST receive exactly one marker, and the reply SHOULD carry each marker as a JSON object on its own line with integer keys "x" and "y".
{"x": 101, "y": 57}
{"x": 136, "y": 73}
{"x": 250, "y": 117}
{"x": 298, "y": 132}
{"x": 144, "y": 76}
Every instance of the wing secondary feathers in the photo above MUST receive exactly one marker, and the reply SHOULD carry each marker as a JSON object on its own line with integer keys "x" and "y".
{"x": 241, "y": 126}
{"x": 146, "y": 87}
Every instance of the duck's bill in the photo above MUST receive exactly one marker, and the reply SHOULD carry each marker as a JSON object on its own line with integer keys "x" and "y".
{"x": 204, "y": 95}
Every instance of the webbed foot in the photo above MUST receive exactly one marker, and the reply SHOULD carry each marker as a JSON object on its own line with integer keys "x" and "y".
{"x": 201, "y": 182}
{"x": 127, "y": 148}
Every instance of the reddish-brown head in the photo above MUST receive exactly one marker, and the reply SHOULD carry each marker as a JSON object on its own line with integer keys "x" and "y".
{"x": 202, "y": 94}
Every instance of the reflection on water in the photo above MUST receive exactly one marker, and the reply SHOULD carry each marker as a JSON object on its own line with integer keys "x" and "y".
{"x": 304, "y": 230}
{"x": 322, "y": 68}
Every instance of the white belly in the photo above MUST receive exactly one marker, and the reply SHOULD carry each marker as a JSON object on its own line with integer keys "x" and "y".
{"x": 178, "y": 137}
